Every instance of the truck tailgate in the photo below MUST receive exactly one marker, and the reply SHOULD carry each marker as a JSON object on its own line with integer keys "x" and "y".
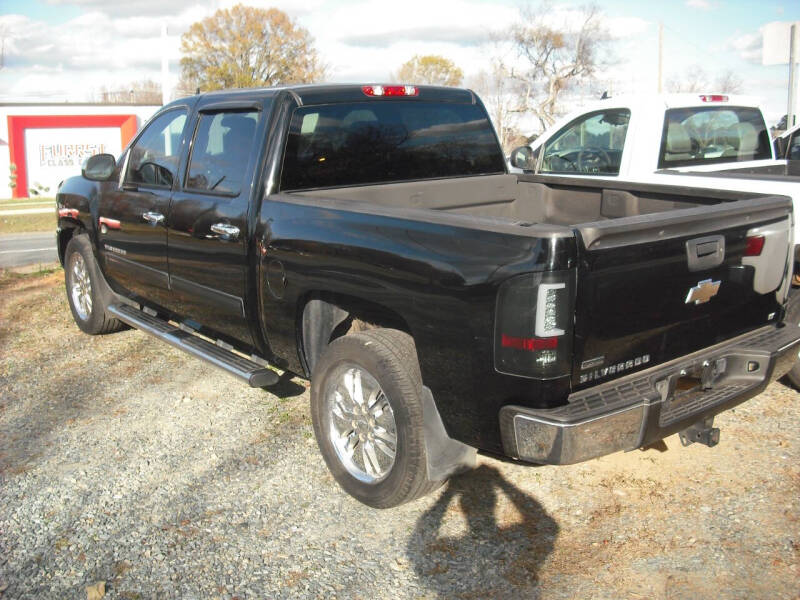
{"x": 655, "y": 287}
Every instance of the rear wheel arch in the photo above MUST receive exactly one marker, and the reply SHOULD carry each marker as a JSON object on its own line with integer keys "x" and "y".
{"x": 325, "y": 317}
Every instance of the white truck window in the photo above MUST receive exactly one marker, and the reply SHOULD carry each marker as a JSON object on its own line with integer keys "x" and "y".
{"x": 705, "y": 135}
{"x": 793, "y": 153}
{"x": 591, "y": 144}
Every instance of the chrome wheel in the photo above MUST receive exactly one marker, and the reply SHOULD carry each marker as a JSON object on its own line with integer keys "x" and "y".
{"x": 80, "y": 286}
{"x": 361, "y": 424}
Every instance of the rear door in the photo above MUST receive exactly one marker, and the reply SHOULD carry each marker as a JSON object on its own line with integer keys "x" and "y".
{"x": 655, "y": 287}
{"x": 131, "y": 218}
{"x": 208, "y": 220}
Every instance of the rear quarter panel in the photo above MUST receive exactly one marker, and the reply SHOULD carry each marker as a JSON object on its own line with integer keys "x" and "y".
{"x": 439, "y": 272}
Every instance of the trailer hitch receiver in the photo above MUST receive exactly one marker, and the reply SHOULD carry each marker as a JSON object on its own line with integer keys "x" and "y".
{"x": 701, "y": 432}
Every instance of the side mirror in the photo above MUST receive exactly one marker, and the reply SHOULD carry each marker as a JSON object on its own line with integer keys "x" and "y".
{"x": 524, "y": 158}
{"x": 99, "y": 167}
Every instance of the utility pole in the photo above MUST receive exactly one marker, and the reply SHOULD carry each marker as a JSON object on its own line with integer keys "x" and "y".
{"x": 790, "y": 115}
{"x": 660, "y": 55}
{"x": 165, "y": 91}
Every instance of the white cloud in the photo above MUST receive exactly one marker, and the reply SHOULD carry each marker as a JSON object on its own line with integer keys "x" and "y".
{"x": 162, "y": 8}
{"x": 699, "y": 4}
{"x": 622, "y": 27}
{"x": 366, "y": 41}
{"x": 747, "y": 46}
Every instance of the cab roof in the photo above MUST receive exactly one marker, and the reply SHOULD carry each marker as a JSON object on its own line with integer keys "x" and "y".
{"x": 327, "y": 93}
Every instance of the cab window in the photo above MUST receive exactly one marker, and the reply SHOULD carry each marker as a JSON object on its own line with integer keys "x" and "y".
{"x": 793, "y": 152}
{"x": 592, "y": 144}
{"x": 713, "y": 134}
{"x": 221, "y": 152}
{"x": 154, "y": 157}
{"x": 366, "y": 143}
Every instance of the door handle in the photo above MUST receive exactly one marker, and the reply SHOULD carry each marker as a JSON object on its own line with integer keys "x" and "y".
{"x": 225, "y": 231}
{"x": 705, "y": 253}
{"x": 153, "y": 218}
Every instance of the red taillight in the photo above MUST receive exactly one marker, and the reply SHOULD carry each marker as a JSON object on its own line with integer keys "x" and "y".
{"x": 754, "y": 245}
{"x": 713, "y": 98}
{"x": 390, "y": 90}
{"x": 530, "y": 344}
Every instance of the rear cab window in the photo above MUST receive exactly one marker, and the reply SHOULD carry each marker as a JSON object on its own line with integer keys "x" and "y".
{"x": 713, "y": 134}
{"x": 362, "y": 143}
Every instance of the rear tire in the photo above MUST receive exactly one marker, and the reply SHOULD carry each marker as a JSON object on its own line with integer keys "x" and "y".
{"x": 85, "y": 289}
{"x": 366, "y": 407}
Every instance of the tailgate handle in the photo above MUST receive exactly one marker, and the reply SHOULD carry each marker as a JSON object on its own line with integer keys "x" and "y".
{"x": 705, "y": 253}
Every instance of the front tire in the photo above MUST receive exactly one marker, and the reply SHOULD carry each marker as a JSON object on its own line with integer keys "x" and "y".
{"x": 83, "y": 281}
{"x": 366, "y": 408}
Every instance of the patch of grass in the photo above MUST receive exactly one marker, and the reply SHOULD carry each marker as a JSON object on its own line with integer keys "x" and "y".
{"x": 8, "y": 277}
{"x": 37, "y": 223}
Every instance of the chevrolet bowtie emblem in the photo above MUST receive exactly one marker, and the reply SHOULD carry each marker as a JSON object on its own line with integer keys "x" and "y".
{"x": 703, "y": 291}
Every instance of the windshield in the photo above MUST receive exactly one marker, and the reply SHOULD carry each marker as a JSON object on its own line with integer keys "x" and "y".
{"x": 384, "y": 141}
{"x": 708, "y": 135}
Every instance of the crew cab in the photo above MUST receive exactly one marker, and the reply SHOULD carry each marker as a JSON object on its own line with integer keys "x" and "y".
{"x": 371, "y": 239}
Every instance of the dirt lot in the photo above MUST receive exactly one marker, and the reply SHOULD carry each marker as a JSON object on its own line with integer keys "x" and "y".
{"x": 124, "y": 461}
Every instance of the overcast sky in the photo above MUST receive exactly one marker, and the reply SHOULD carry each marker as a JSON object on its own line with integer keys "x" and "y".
{"x": 61, "y": 50}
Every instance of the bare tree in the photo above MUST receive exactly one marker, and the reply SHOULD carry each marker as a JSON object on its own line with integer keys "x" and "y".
{"x": 695, "y": 79}
{"x": 728, "y": 82}
{"x": 145, "y": 91}
{"x": 555, "y": 55}
{"x": 187, "y": 86}
{"x": 500, "y": 93}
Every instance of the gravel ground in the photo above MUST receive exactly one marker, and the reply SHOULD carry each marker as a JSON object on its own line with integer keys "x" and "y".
{"x": 127, "y": 462}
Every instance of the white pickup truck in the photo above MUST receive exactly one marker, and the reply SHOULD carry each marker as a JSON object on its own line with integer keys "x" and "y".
{"x": 714, "y": 142}
{"x": 705, "y": 141}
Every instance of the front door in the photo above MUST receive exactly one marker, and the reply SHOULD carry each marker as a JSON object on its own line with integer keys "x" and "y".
{"x": 208, "y": 223}
{"x": 132, "y": 218}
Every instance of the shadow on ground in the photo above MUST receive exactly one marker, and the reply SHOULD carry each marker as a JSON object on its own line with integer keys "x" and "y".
{"x": 285, "y": 387}
{"x": 452, "y": 562}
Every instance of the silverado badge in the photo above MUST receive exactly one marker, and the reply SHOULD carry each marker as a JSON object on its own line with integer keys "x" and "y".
{"x": 703, "y": 291}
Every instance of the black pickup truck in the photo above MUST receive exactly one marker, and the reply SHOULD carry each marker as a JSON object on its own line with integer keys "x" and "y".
{"x": 372, "y": 239}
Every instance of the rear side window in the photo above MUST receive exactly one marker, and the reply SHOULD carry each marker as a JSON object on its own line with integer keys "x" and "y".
{"x": 221, "y": 152}
{"x": 708, "y": 135}
{"x": 385, "y": 141}
{"x": 591, "y": 144}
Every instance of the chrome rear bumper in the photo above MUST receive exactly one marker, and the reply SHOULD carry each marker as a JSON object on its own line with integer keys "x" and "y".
{"x": 641, "y": 408}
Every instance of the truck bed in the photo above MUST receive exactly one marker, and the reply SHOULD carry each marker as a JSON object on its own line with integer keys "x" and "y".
{"x": 636, "y": 246}
{"x": 532, "y": 199}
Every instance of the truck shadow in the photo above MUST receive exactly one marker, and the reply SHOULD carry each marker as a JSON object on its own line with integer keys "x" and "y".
{"x": 452, "y": 561}
{"x": 286, "y": 387}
